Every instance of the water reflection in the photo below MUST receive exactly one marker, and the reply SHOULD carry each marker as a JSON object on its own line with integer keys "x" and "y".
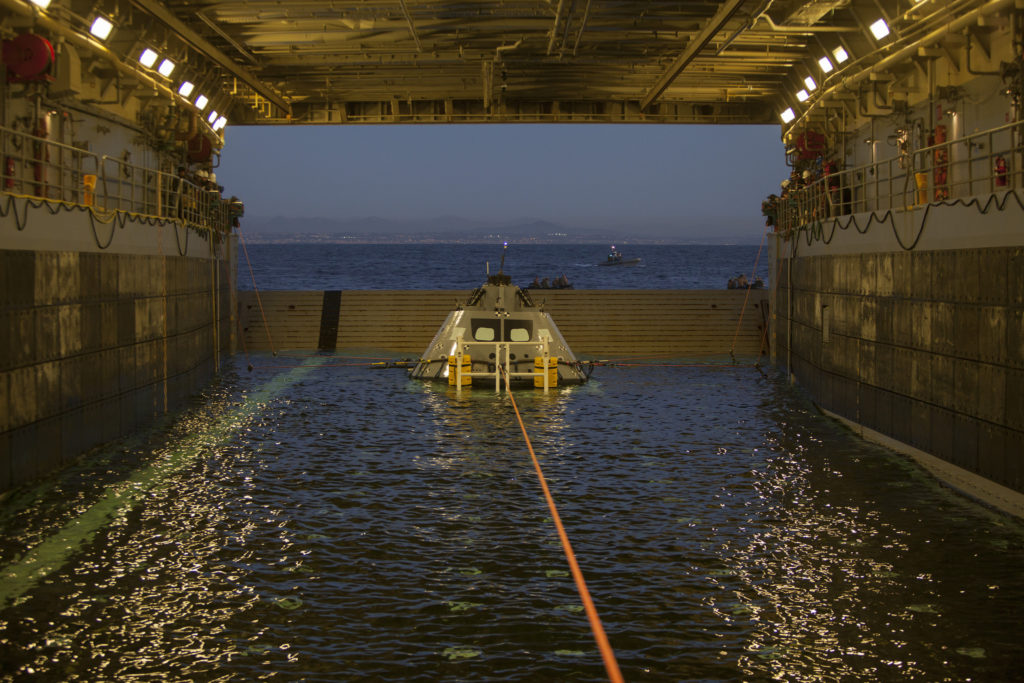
{"x": 360, "y": 526}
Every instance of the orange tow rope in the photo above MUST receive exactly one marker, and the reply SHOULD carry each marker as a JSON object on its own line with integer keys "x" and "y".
{"x": 610, "y": 665}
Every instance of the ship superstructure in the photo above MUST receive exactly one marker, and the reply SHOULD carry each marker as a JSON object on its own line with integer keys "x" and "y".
{"x": 900, "y": 238}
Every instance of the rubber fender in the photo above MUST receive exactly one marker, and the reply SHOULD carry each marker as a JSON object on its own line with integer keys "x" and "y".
{"x": 28, "y": 56}
{"x": 199, "y": 149}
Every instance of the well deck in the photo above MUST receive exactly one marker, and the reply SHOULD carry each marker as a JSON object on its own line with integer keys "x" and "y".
{"x": 595, "y": 322}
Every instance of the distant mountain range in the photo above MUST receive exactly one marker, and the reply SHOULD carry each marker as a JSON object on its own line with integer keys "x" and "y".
{"x": 374, "y": 226}
{"x": 456, "y": 229}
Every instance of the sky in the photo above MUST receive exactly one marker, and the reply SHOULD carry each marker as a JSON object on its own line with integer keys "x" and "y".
{"x": 684, "y": 181}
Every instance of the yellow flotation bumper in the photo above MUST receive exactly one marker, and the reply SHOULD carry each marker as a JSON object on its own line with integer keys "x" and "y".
{"x": 538, "y": 371}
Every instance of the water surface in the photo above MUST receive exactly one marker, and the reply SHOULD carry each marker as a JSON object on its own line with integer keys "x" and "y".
{"x": 338, "y": 522}
{"x": 465, "y": 266}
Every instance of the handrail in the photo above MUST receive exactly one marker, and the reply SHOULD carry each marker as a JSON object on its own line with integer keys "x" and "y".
{"x": 985, "y": 162}
{"x": 502, "y": 362}
{"x": 36, "y": 167}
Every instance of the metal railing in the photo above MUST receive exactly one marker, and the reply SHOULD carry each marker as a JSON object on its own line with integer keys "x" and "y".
{"x": 502, "y": 363}
{"x": 36, "y": 167}
{"x": 982, "y": 163}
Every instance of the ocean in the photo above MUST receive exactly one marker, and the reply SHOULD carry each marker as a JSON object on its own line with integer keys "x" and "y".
{"x": 319, "y": 518}
{"x": 465, "y": 266}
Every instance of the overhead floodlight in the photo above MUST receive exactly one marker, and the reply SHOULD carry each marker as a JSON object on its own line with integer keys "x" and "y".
{"x": 166, "y": 68}
{"x": 148, "y": 58}
{"x": 212, "y": 117}
{"x": 787, "y": 115}
{"x": 42, "y": 4}
{"x": 811, "y": 85}
{"x": 879, "y": 29}
{"x": 802, "y": 95}
{"x": 186, "y": 88}
{"x": 840, "y": 54}
{"x": 101, "y": 27}
{"x": 826, "y": 64}
{"x": 220, "y": 123}
{"x": 202, "y": 101}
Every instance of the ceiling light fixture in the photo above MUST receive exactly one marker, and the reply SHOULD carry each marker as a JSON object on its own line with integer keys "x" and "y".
{"x": 101, "y": 27}
{"x": 148, "y": 58}
{"x": 826, "y": 65}
{"x": 166, "y": 68}
{"x": 879, "y": 29}
{"x": 840, "y": 54}
{"x": 787, "y": 115}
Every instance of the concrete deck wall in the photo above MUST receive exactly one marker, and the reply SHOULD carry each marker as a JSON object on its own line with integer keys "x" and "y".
{"x": 596, "y": 323}
{"x": 922, "y": 346}
{"x": 94, "y": 345}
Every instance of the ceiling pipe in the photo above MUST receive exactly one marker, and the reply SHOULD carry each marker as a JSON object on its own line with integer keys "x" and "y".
{"x": 486, "y": 78}
{"x": 903, "y": 53}
{"x": 164, "y": 15}
{"x": 223, "y": 34}
{"x": 807, "y": 30}
{"x": 554, "y": 29}
{"x": 505, "y": 48}
{"x": 412, "y": 27}
{"x": 583, "y": 25}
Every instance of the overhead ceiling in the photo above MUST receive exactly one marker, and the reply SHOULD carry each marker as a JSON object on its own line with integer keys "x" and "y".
{"x": 427, "y": 61}
{"x": 339, "y": 61}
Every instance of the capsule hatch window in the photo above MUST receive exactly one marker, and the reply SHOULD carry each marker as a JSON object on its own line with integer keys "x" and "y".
{"x": 485, "y": 330}
{"x": 518, "y": 330}
{"x": 515, "y": 330}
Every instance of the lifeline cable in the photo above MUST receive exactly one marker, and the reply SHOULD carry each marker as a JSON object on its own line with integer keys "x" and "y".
{"x": 607, "y": 655}
{"x": 732, "y": 349}
{"x": 257, "y": 291}
{"x": 115, "y": 218}
{"x": 815, "y": 230}
{"x": 626, "y": 362}
{"x": 677, "y": 365}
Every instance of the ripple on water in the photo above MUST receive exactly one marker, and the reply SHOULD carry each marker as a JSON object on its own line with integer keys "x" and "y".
{"x": 362, "y": 526}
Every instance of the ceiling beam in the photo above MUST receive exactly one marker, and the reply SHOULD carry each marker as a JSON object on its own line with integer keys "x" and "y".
{"x": 412, "y": 27}
{"x": 223, "y": 34}
{"x": 554, "y": 29}
{"x": 694, "y": 47}
{"x": 199, "y": 43}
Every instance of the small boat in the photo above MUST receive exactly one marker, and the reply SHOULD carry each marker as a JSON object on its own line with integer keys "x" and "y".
{"x": 616, "y": 259}
{"x": 561, "y": 282}
{"x": 500, "y": 337}
{"x": 740, "y": 282}
{"x": 554, "y": 286}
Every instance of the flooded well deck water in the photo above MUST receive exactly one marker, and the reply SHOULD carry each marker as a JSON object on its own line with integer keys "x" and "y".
{"x": 320, "y": 520}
